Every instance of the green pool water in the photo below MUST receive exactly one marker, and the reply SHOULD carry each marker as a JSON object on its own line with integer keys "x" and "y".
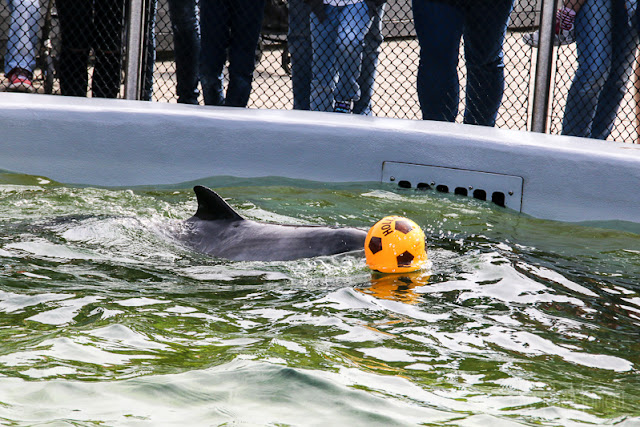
{"x": 106, "y": 320}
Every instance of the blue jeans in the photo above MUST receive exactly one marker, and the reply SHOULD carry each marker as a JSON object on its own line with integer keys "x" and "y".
{"x": 337, "y": 54}
{"x": 299, "y": 41}
{"x": 439, "y": 27}
{"x": 370, "y": 53}
{"x": 149, "y": 52}
{"x": 233, "y": 26}
{"x": 186, "y": 49}
{"x": 606, "y": 46}
{"x": 22, "y": 39}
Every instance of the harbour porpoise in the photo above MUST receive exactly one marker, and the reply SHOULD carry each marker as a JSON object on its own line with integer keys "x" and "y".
{"x": 216, "y": 229}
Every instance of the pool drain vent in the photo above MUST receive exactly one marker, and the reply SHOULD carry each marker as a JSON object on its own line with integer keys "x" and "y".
{"x": 503, "y": 190}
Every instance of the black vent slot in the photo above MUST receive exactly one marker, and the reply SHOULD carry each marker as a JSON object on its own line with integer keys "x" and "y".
{"x": 480, "y": 194}
{"x": 460, "y": 191}
{"x": 498, "y": 198}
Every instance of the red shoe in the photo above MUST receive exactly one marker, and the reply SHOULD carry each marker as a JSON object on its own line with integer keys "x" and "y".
{"x": 19, "y": 81}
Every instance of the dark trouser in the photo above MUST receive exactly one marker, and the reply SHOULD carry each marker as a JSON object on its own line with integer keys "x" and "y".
{"x": 149, "y": 51}
{"x": 86, "y": 24}
{"x": 231, "y": 26}
{"x": 440, "y": 26}
{"x": 186, "y": 49}
{"x": 299, "y": 42}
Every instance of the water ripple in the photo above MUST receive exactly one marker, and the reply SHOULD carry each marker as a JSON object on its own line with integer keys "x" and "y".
{"x": 518, "y": 321}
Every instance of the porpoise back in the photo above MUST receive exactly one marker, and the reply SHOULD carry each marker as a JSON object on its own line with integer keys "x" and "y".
{"x": 218, "y": 230}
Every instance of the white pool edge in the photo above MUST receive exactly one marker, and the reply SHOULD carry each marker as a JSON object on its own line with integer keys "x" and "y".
{"x": 131, "y": 143}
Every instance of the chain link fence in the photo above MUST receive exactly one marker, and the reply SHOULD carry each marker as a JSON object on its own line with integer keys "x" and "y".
{"x": 79, "y": 49}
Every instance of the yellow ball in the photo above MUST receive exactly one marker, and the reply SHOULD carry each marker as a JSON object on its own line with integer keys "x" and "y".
{"x": 395, "y": 245}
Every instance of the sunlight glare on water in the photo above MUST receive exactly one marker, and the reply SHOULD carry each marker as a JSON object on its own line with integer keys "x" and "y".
{"x": 106, "y": 318}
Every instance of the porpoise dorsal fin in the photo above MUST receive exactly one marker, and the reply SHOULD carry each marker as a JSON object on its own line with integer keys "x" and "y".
{"x": 212, "y": 207}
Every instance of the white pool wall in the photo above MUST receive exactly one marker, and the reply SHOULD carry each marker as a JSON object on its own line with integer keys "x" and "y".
{"x": 128, "y": 143}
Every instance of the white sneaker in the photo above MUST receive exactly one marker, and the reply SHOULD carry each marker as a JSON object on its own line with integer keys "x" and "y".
{"x": 564, "y": 37}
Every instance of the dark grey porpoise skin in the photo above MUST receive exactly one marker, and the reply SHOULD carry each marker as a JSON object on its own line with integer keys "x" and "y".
{"x": 216, "y": 229}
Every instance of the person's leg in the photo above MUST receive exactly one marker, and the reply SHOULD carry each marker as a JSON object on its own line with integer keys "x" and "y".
{"x": 485, "y": 29}
{"x": 593, "y": 43}
{"x": 246, "y": 23}
{"x": 354, "y": 22}
{"x": 624, "y": 40}
{"x": 107, "y": 36}
{"x": 75, "y": 18}
{"x": 149, "y": 61}
{"x": 323, "y": 42}
{"x": 370, "y": 54}
{"x": 22, "y": 40}
{"x": 439, "y": 29}
{"x": 214, "y": 27}
{"x": 186, "y": 48}
{"x": 299, "y": 42}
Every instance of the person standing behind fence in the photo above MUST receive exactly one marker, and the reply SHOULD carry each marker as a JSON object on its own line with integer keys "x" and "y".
{"x": 86, "y": 25}
{"x": 606, "y": 44}
{"x": 20, "y": 59}
{"x": 338, "y": 28}
{"x": 440, "y": 24}
{"x": 231, "y": 26}
{"x": 186, "y": 49}
{"x": 299, "y": 41}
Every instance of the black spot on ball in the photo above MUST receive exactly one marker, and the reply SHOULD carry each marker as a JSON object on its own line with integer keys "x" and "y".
{"x": 375, "y": 245}
{"x": 404, "y": 259}
{"x": 403, "y": 226}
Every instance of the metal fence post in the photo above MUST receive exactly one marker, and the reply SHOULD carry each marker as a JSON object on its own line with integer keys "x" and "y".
{"x": 542, "y": 82}
{"x": 133, "y": 71}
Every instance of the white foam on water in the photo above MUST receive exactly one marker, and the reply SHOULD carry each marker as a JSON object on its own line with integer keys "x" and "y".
{"x": 65, "y": 313}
